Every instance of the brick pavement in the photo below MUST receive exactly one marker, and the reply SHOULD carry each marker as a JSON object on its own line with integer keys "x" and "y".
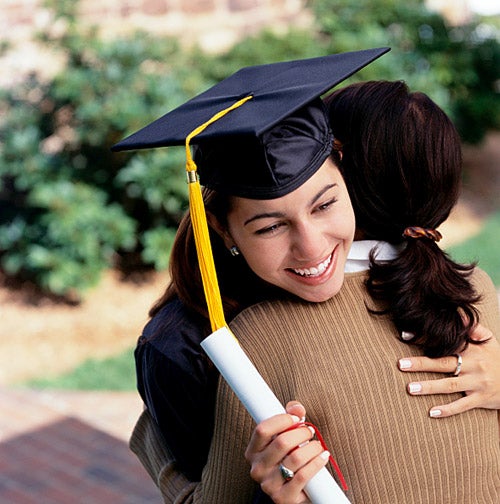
{"x": 70, "y": 447}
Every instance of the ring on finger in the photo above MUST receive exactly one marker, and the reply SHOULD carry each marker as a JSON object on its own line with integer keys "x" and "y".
{"x": 458, "y": 369}
{"x": 286, "y": 474}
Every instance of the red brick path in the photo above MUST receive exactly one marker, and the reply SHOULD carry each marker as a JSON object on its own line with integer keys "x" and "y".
{"x": 61, "y": 448}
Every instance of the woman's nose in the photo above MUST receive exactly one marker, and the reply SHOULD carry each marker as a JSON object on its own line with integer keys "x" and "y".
{"x": 309, "y": 242}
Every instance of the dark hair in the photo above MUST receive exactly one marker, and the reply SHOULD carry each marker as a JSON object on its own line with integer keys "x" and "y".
{"x": 402, "y": 165}
{"x": 239, "y": 285}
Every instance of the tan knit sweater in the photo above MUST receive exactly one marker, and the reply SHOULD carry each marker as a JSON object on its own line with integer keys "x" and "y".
{"x": 341, "y": 363}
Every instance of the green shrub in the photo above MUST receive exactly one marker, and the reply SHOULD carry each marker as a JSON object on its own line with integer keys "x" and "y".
{"x": 70, "y": 208}
{"x": 458, "y": 66}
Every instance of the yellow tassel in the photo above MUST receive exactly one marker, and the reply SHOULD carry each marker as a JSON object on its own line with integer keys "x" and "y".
{"x": 200, "y": 228}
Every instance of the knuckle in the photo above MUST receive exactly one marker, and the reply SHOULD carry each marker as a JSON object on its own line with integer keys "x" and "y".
{"x": 253, "y": 473}
{"x": 446, "y": 363}
{"x": 278, "y": 495}
{"x": 317, "y": 446}
{"x": 482, "y": 365}
{"x": 261, "y": 431}
{"x": 267, "y": 488}
{"x": 248, "y": 455}
{"x": 454, "y": 385}
{"x": 301, "y": 478}
{"x": 486, "y": 383}
{"x": 256, "y": 472}
{"x": 278, "y": 499}
{"x": 280, "y": 443}
{"x": 294, "y": 458}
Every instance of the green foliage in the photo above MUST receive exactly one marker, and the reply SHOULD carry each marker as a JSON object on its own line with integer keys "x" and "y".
{"x": 65, "y": 236}
{"x": 70, "y": 208}
{"x": 157, "y": 244}
{"x": 458, "y": 66}
{"x": 112, "y": 373}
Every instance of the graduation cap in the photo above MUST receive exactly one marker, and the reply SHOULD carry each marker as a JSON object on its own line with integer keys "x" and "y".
{"x": 260, "y": 133}
{"x": 274, "y": 141}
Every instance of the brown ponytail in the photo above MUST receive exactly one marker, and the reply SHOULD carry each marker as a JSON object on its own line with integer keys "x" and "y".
{"x": 402, "y": 165}
{"x": 426, "y": 294}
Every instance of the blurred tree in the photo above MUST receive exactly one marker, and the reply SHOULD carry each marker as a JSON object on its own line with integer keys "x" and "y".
{"x": 69, "y": 208}
{"x": 458, "y": 66}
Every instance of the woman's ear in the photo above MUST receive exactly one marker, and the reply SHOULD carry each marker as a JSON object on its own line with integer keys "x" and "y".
{"x": 221, "y": 230}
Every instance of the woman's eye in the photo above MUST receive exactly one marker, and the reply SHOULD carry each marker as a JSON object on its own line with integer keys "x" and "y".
{"x": 268, "y": 229}
{"x": 327, "y": 204}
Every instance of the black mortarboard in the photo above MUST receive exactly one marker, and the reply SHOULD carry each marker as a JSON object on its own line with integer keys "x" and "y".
{"x": 271, "y": 144}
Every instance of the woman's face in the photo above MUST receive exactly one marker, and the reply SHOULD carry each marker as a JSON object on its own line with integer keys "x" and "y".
{"x": 298, "y": 242}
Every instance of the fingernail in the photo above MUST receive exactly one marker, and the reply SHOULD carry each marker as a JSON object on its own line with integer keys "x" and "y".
{"x": 325, "y": 455}
{"x": 295, "y": 419}
{"x": 413, "y": 388}
{"x": 303, "y": 419}
{"x": 312, "y": 430}
{"x": 433, "y": 413}
{"x": 404, "y": 363}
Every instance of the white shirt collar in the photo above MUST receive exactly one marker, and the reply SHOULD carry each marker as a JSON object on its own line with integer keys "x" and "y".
{"x": 358, "y": 257}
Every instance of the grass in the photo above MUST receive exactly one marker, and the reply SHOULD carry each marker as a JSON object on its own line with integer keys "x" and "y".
{"x": 483, "y": 248}
{"x": 118, "y": 372}
{"x": 112, "y": 373}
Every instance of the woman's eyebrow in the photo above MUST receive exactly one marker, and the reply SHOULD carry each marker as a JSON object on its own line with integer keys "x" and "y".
{"x": 265, "y": 215}
{"x": 323, "y": 191}
{"x": 269, "y": 215}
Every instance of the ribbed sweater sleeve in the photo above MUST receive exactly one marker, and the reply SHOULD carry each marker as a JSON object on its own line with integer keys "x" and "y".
{"x": 148, "y": 443}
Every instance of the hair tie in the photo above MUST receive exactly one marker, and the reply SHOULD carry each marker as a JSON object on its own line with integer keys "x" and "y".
{"x": 337, "y": 145}
{"x": 420, "y": 232}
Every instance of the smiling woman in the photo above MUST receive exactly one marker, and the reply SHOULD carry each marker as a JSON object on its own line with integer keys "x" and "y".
{"x": 298, "y": 242}
{"x": 277, "y": 238}
{"x": 280, "y": 225}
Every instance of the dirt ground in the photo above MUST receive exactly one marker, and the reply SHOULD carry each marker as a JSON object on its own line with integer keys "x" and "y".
{"x": 41, "y": 337}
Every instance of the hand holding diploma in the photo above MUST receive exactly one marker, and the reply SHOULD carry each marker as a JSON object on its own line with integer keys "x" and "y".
{"x": 284, "y": 456}
{"x": 249, "y": 386}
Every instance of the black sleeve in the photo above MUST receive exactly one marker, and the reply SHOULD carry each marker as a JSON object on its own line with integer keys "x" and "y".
{"x": 178, "y": 385}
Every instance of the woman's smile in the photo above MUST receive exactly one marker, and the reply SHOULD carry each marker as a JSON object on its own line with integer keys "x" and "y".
{"x": 313, "y": 271}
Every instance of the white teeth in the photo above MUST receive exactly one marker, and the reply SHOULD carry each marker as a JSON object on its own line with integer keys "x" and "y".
{"x": 314, "y": 271}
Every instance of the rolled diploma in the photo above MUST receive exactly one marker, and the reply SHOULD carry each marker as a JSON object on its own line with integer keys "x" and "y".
{"x": 259, "y": 400}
